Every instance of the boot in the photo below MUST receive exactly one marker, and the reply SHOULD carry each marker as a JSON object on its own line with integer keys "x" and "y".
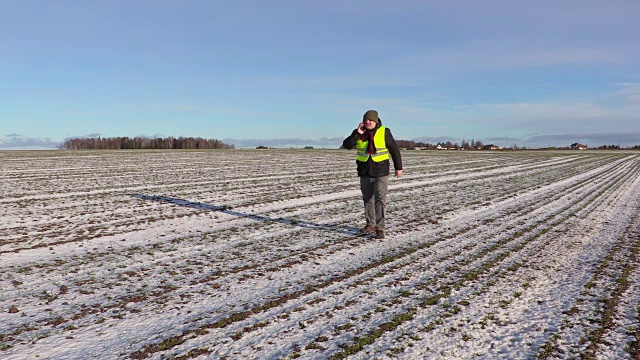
{"x": 368, "y": 230}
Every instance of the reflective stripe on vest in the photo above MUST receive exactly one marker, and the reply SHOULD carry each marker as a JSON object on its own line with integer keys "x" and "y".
{"x": 382, "y": 153}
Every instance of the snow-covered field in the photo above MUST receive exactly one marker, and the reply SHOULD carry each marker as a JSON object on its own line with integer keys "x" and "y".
{"x": 247, "y": 254}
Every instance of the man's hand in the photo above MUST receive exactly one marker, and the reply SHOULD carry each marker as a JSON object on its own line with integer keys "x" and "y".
{"x": 361, "y": 128}
{"x": 398, "y": 173}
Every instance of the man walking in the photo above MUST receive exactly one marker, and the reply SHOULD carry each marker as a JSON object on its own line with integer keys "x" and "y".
{"x": 374, "y": 143}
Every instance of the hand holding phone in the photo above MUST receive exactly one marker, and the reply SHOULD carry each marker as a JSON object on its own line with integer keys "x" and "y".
{"x": 361, "y": 128}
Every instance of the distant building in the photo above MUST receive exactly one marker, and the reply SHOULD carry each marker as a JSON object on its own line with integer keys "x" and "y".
{"x": 578, "y": 146}
{"x": 261, "y": 147}
{"x": 491, "y": 147}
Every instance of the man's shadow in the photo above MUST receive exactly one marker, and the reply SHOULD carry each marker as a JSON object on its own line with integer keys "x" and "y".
{"x": 348, "y": 230}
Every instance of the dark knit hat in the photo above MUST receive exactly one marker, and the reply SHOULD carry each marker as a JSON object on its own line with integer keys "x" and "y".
{"x": 371, "y": 115}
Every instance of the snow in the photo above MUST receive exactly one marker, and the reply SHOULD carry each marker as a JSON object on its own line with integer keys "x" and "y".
{"x": 255, "y": 255}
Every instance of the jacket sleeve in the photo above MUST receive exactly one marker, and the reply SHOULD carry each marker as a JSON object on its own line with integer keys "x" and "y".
{"x": 394, "y": 150}
{"x": 350, "y": 142}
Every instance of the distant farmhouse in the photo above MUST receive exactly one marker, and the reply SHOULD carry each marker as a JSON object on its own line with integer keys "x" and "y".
{"x": 491, "y": 147}
{"x": 578, "y": 146}
{"x": 445, "y": 147}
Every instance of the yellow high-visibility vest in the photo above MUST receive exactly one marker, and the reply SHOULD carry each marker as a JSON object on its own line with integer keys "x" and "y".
{"x": 382, "y": 153}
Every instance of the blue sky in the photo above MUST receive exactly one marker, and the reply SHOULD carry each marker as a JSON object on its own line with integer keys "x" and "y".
{"x": 287, "y": 73}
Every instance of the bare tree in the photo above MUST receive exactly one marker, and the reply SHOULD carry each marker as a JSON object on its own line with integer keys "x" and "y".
{"x": 139, "y": 142}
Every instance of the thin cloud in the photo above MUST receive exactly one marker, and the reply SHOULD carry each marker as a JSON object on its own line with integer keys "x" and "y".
{"x": 325, "y": 142}
{"x": 96, "y": 135}
{"x": 421, "y": 68}
{"x": 625, "y": 139}
{"x": 503, "y": 57}
{"x": 630, "y": 91}
{"x": 503, "y": 139}
{"x": 435, "y": 139}
{"x": 19, "y": 142}
{"x": 538, "y": 110}
{"x": 92, "y": 135}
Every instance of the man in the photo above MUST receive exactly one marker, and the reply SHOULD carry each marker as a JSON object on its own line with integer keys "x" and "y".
{"x": 374, "y": 143}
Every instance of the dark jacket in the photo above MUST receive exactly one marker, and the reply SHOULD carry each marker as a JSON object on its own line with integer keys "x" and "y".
{"x": 371, "y": 168}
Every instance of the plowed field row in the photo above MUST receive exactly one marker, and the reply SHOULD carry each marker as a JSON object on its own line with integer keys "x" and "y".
{"x": 256, "y": 254}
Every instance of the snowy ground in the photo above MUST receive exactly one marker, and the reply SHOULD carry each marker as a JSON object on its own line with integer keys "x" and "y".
{"x": 248, "y": 254}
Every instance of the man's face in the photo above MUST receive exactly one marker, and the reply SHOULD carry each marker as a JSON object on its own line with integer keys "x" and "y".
{"x": 369, "y": 124}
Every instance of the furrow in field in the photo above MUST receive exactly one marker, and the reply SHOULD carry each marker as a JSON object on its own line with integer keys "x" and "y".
{"x": 135, "y": 269}
{"x": 599, "y": 300}
{"x": 294, "y": 234}
{"x": 321, "y": 344}
{"x": 47, "y": 231}
{"x": 543, "y": 284}
{"x": 400, "y": 315}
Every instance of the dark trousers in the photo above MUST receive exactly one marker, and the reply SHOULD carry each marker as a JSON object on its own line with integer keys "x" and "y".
{"x": 374, "y": 194}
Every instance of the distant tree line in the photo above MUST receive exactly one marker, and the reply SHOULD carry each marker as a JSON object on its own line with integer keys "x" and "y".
{"x": 139, "y": 142}
{"x": 477, "y": 145}
{"x": 410, "y": 144}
